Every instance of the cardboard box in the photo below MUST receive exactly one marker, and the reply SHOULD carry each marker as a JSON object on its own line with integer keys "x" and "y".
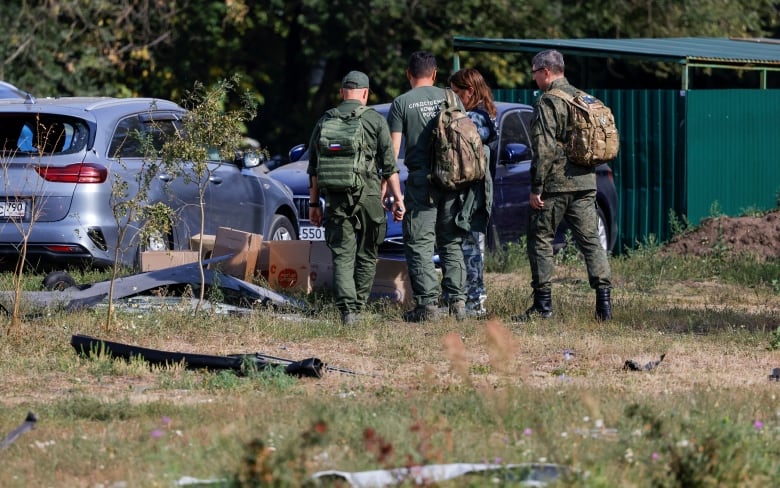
{"x": 208, "y": 244}
{"x": 392, "y": 282}
{"x": 154, "y": 260}
{"x": 244, "y": 247}
{"x": 298, "y": 265}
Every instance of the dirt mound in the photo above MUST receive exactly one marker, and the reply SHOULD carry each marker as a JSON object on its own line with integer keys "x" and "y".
{"x": 759, "y": 236}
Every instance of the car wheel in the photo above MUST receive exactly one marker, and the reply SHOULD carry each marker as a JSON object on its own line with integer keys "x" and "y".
{"x": 281, "y": 229}
{"x": 58, "y": 281}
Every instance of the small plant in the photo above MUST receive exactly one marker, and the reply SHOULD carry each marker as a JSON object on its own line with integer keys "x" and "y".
{"x": 774, "y": 339}
{"x": 569, "y": 254}
{"x": 715, "y": 210}
{"x": 775, "y": 284}
{"x": 209, "y": 135}
{"x": 511, "y": 257}
{"x": 678, "y": 226}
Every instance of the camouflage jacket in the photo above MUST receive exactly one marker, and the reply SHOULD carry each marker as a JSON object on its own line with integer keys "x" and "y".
{"x": 551, "y": 172}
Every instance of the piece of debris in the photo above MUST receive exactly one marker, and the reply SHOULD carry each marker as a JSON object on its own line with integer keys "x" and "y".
{"x": 634, "y": 366}
{"x": 84, "y": 345}
{"x": 28, "y": 424}
{"x": 526, "y": 474}
{"x": 775, "y": 374}
{"x": 85, "y": 296}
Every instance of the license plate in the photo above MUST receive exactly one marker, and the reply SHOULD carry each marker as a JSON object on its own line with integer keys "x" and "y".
{"x": 12, "y": 209}
{"x": 312, "y": 234}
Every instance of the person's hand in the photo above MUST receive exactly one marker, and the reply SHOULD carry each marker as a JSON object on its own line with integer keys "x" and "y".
{"x": 315, "y": 216}
{"x": 535, "y": 200}
{"x": 398, "y": 210}
{"x": 384, "y": 195}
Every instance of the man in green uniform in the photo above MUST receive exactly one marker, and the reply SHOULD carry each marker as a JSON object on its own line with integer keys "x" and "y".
{"x": 560, "y": 190}
{"x": 430, "y": 220}
{"x": 354, "y": 220}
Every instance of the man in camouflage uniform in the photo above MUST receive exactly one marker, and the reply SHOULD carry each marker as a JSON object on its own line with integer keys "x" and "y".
{"x": 560, "y": 190}
{"x": 356, "y": 222}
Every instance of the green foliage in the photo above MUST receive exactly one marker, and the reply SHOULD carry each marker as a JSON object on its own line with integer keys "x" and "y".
{"x": 678, "y": 226}
{"x": 126, "y": 48}
{"x": 568, "y": 254}
{"x": 510, "y": 257}
{"x": 89, "y": 408}
{"x": 774, "y": 339}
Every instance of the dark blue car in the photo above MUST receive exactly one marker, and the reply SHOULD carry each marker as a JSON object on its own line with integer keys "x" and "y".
{"x": 511, "y": 185}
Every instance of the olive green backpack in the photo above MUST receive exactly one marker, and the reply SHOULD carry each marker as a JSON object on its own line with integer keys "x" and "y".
{"x": 342, "y": 161}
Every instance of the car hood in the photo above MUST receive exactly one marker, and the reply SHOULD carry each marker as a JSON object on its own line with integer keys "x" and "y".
{"x": 293, "y": 175}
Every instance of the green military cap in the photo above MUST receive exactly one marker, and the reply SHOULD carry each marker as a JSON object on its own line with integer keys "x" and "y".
{"x": 355, "y": 79}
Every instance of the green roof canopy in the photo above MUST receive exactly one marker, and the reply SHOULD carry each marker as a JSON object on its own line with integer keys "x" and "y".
{"x": 761, "y": 55}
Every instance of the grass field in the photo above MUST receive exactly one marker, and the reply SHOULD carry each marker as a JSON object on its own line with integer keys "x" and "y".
{"x": 476, "y": 391}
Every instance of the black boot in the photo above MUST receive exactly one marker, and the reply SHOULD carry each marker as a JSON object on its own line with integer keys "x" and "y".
{"x": 603, "y": 304}
{"x": 542, "y": 307}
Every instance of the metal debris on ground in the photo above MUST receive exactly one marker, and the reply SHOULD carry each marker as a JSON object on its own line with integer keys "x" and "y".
{"x": 241, "y": 363}
{"x": 28, "y": 424}
{"x": 526, "y": 474}
{"x": 86, "y": 296}
{"x": 630, "y": 365}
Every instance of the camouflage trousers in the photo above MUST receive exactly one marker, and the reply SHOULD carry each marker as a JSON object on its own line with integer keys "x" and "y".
{"x": 578, "y": 209}
{"x": 473, "y": 246}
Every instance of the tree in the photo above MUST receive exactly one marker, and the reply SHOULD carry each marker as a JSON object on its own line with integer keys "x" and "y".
{"x": 210, "y": 134}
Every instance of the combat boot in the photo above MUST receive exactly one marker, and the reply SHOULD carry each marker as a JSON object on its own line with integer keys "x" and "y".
{"x": 458, "y": 309}
{"x": 542, "y": 307}
{"x": 422, "y": 313}
{"x": 603, "y": 304}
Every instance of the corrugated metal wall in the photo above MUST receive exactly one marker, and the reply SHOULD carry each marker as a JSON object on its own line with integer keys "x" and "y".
{"x": 649, "y": 171}
{"x": 733, "y": 151}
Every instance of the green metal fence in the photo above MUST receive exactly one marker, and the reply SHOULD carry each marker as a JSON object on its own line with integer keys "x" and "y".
{"x": 733, "y": 151}
{"x": 686, "y": 153}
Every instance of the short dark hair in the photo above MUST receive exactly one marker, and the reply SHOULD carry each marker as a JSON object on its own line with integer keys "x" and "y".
{"x": 550, "y": 59}
{"x": 421, "y": 64}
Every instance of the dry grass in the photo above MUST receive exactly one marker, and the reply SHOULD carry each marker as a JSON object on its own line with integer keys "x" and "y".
{"x": 478, "y": 381}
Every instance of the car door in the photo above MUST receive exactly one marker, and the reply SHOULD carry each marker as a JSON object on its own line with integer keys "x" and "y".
{"x": 511, "y": 181}
{"x": 234, "y": 198}
{"x": 168, "y": 186}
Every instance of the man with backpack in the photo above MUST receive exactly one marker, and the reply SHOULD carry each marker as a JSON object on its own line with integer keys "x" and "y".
{"x": 350, "y": 153}
{"x": 432, "y": 209}
{"x": 560, "y": 189}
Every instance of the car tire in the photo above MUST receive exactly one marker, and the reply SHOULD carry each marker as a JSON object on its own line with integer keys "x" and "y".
{"x": 281, "y": 229}
{"x": 58, "y": 281}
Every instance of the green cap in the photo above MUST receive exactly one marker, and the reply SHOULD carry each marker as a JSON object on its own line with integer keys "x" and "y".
{"x": 355, "y": 79}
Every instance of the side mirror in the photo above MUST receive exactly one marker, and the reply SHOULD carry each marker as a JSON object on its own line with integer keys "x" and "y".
{"x": 249, "y": 159}
{"x": 252, "y": 159}
{"x": 516, "y": 153}
{"x": 296, "y": 152}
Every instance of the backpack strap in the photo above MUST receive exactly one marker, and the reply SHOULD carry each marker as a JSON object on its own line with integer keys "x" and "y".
{"x": 557, "y": 92}
{"x": 360, "y": 111}
{"x": 451, "y": 99}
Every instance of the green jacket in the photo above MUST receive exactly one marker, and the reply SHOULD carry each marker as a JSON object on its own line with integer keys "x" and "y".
{"x": 551, "y": 172}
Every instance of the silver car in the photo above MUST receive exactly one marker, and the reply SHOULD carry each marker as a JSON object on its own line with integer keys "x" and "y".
{"x": 60, "y": 157}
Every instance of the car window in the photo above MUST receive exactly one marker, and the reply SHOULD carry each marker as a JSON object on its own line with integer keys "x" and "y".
{"x": 127, "y": 141}
{"x": 514, "y": 130}
{"x": 50, "y": 135}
